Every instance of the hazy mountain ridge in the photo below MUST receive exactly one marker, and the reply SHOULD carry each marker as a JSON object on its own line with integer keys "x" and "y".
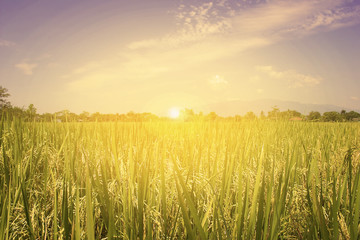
{"x": 240, "y": 107}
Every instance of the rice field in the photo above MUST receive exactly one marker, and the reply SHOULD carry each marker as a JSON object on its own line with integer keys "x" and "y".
{"x": 179, "y": 180}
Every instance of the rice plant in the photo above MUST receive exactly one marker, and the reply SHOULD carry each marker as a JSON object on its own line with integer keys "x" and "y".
{"x": 179, "y": 180}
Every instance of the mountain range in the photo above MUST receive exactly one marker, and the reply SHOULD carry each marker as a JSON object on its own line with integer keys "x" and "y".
{"x": 240, "y": 107}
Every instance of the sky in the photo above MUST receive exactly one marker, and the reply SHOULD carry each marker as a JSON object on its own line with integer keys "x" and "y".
{"x": 115, "y": 56}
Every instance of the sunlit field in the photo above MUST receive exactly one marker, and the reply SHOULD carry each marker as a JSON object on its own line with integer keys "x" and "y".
{"x": 179, "y": 180}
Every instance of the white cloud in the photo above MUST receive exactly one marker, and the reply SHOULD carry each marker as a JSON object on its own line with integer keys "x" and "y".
{"x": 143, "y": 43}
{"x": 5, "y": 43}
{"x": 279, "y": 20}
{"x": 195, "y": 23}
{"x": 90, "y": 82}
{"x": 26, "y": 68}
{"x": 293, "y": 78}
{"x": 156, "y": 61}
{"x": 259, "y": 90}
{"x": 354, "y": 98}
{"x": 218, "y": 82}
{"x": 87, "y": 67}
{"x": 327, "y": 19}
{"x": 234, "y": 27}
{"x": 218, "y": 29}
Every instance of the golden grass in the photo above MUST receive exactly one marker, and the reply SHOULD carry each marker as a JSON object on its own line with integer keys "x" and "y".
{"x": 168, "y": 180}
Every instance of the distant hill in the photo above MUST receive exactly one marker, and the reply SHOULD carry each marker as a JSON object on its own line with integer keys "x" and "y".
{"x": 230, "y": 108}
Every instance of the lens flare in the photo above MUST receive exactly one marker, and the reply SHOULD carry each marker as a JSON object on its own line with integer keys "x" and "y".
{"x": 174, "y": 112}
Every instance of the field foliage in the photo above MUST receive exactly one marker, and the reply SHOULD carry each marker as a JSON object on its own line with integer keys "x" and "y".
{"x": 179, "y": 180}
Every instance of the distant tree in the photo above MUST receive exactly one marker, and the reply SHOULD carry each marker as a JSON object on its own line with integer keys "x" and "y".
{"x": 187, "y": 114}
{"x": 349, "y": 116}
{"x": 31, "y": 112}
{"x": 47, "y": 117}
{"x": 122, "y": 117}
{"x": 237, "y": 118}
{"x": 18, "y": 112}
{"x": 286, "y": 115}
{"x": 131, "y": 116}
{"x": 4, "y": 103}
{"x": 262, "y": 115}
{"x": 250, "y": 116}
{"x": 199, "y": 116}
{"x": 97, "y": 116}
{"x": 314, "y": 116}
{"x": 332, "y": 116}
{"x": 274, "y": 114}
{"x": 62, "y": 115}
{"x": 212, "y": 116}
{"x": 72, "y": 117}
{"x": 343, "y": 115}
{"x": 294, "y": 113}
{"x": 84, "y": 116}
{"x": 146, "y": 116}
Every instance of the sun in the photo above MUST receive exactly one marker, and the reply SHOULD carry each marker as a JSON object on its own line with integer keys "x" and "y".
{"x": 174, "y": 112}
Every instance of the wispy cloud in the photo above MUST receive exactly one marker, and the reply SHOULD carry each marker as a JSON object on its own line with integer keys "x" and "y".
{"x": 212, "y": 30}
{"x": 279, "y": 20}
{"x": 87, "y": 67}
{"x": 5, "y": 43}
{"x": 87, "y": 83}
{"x": 328, "y": 18}
{"x": 293, "y": 78}
{"x": 26, "y": 68}
{"x": 194, "y": 23}
{"x": 91, "y": 76}
{"x": 218, "y": 82}
{"x": 354, "y": 98}
{"x": 259, "y": 90}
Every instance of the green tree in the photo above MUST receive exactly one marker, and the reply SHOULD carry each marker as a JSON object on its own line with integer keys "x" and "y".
{"x": 343, "y": 115}
{"x": 212, "y": 116}
{"x": 250, "y": 116}
{"x": 286, "y": 115}
{"x": 131, "y": 116}
{"x": 4, "y": 103}
{"x": 274, "y": 114}
{"x": 314, "y": 116}
{"x": 349, "y": 116}
{"x": 62, "y": 115}
{"x": 84, "y": 116}
{"x": 31, "y": 112}
{"x": 47, "y": 117}
{"x": 237, "y": 118}
{"x": 262, "y": 115}
{"x": 18, "y": 112}
{"x": 332, "y": 116}
{"x": 187, "y": 114}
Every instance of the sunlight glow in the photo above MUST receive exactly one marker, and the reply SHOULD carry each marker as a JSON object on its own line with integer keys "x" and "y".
{"x": 174, "y": 112}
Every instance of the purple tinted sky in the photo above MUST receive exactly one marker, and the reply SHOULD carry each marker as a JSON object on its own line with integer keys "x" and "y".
{"x": 116, "y": 56}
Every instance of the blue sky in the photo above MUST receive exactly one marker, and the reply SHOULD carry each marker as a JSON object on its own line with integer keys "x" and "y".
{"x": 117, "y": 56}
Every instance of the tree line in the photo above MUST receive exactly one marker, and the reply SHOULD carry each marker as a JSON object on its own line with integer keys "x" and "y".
{"x": 30, "y": 114}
